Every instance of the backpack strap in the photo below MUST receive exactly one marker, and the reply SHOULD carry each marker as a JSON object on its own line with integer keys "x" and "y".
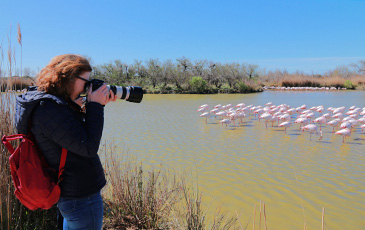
{"x": 6, "y": 140}
{"x": 62, "y": 164}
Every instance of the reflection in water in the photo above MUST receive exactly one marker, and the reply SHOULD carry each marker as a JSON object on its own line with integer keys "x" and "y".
{"x": 238, "y": 166}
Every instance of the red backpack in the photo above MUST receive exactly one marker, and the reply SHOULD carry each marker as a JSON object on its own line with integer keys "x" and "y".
{"x": 35, "y": 186}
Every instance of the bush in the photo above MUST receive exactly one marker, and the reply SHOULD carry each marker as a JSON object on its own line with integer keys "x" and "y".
{"x": 348, "y": 85}
{"x": 198, "y": 85}
{"x": 243, "y": 88}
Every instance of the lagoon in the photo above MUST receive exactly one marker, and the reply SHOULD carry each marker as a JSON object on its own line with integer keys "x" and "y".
{"x": 236, "y": 167}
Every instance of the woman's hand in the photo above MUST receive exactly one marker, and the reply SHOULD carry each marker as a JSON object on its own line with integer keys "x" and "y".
{"x": 102, "y": 95}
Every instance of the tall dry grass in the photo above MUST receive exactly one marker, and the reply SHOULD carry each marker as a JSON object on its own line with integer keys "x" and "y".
{"x": 135, "y": 198}
{"x": 13, "y": 215}
{"x": 157, "y": 199}
{"x": 301, "y": 80}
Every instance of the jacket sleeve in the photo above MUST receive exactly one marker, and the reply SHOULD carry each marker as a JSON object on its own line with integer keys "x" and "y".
{"x": 60, "y": 124}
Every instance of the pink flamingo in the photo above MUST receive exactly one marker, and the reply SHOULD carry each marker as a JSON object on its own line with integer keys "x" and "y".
{"x": 240, "y": 105}
{"x": 232, "y": 117}
{"x": 362, "y": 128}
{"x": 339, "y": 110}
{"x": 338, "y": 115}
{"x": 221, "y": 114}
{"x": 267, "y": 117}
{"x": 361, "y": 120}
{"x": 285, "y": 117}
{"x": 241, "y": 115}
{"x": 334, "y": 123}
{"x": 206, "y": 115}
{"x": 303, "y": 107}
{"x": 285, "y": 124}
{"x": 345, "y": 133}
{"x": 258, "y": 112}
{"x": 345, "y": 125}
{"x": 320, "y": 120}
{"x": 302, "y": 120}
{"x": 226, "y": 122}
{"x": 312, "y": 128}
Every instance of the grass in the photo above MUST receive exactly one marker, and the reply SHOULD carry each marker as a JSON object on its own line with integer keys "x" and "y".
{"x": 134, "y": 199}
{"x": 13, "y": 215}
{"x": 158, "y": 199}
{"x": 296, "y": 80}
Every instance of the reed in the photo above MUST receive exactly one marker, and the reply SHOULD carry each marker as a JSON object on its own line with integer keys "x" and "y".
{"x": 135, "y": 198}
{"x": 13, "y": 214}
{"x": 21, "y": 52}
{"x": 158, "y": 199}
{"x": 302, "y": 80}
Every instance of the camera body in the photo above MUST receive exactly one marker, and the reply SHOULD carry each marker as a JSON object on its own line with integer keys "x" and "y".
{"x": 129, "y": 93}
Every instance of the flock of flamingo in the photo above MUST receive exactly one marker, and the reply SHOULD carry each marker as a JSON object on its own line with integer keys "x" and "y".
{"x": 309, "y": 119}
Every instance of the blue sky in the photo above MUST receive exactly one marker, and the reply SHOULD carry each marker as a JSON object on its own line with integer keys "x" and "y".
{"x": 310, "y": 36}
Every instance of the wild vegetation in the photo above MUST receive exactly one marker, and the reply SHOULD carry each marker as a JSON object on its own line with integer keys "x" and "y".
{"x": 203, "y": 77}
{"x": 133, "y": 199}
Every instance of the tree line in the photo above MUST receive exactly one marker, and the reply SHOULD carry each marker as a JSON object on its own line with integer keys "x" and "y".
{"x": 182, "y": 75}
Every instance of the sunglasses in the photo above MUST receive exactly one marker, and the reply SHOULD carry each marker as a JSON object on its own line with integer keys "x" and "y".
{"x": 87, "y": 83}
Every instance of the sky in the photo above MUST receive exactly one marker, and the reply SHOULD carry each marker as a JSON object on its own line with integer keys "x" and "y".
{"x": 311, "y": 36}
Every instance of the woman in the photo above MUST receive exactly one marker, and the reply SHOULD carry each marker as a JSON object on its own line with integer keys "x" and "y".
{"x": 58, "y": 122}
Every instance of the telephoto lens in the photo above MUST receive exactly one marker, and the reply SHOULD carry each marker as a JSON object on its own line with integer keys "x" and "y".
{"x": 129, "y": 93}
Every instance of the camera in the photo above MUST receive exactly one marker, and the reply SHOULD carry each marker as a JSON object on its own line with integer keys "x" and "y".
{"x": 129, "y": 93}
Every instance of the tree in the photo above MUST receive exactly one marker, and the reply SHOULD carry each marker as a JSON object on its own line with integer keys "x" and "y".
{"x": 154, "y": 71}
{"x": 183, "y": 66}
{"x": 214, "y": 77}
{"x": 169, "y": 72}
{"x": 251, "y": 71}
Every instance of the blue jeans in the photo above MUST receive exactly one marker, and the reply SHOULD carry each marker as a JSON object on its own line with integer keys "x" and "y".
{"x": 82, "y": 213}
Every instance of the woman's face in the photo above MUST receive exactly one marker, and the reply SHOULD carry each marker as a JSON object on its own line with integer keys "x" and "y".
{"x": 79, "y": 85}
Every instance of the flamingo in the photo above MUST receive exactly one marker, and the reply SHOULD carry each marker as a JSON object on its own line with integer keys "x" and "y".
{"x": 345, "y": 125}
{"x": 240, "y": 105}
{"x": 303, "y": 107}
{"x": 362, "y": 128}
{"x": 232, "y": 117}
{"x": 206, "y": 115}
{"x": 352, "y": 107}
{"x": 312, "y": 128}
{"x": 203, "y": 109}
{"x": 320, "y": 120}
{"x": 334, "y": 123}
{"x": 285, "y": 117}
{"x": 346, "y": 132}
{"x": 303, "y": 121}
{"x": 240, "y": 116}
{"x": 285, "y": 124}
{"x": 221, "y": 114}
{"x": 361, "y": 120}
{"x": 338, "y": 115}
{"x": 326, "y": 115}
{"x": 339, "y": 110}
{"x": 225, "y": 121}
{"x": 267, "y": 117}
{"x": 258, "y": 112}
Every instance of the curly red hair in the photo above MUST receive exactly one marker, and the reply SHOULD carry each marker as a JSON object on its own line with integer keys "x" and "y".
{"x": 58, "y": 77}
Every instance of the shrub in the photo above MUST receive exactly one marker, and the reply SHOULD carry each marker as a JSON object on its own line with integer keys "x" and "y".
{"x": 348, "y": 85}
{"x": 198, "y": 85}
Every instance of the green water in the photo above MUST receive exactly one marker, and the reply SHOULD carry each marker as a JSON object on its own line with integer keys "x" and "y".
{"x": 236, "y": 167}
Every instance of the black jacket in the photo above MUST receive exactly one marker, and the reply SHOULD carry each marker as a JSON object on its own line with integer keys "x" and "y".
{"x": 56, "y": 124}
